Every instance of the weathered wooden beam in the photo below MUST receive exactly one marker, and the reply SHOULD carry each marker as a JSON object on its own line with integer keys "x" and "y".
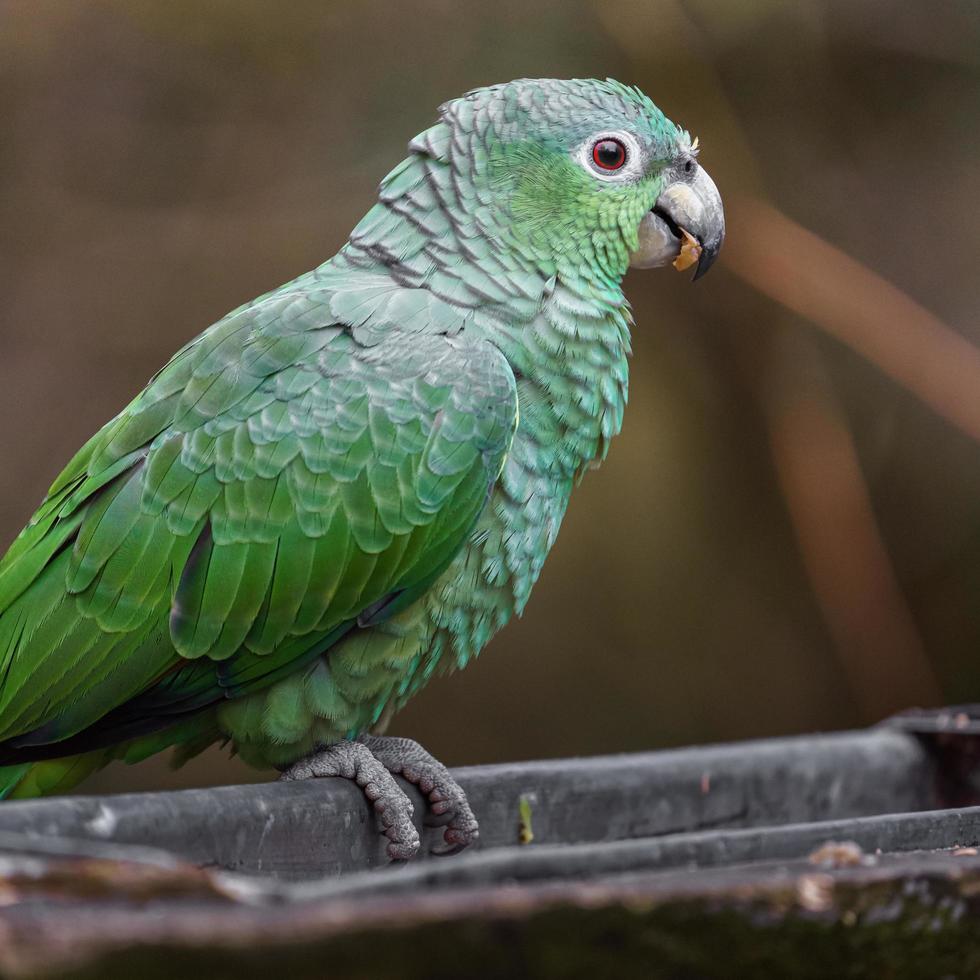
{"x": 325, "y": 827}
{"x": 887, "y": 833}
{"x": 905, "y": 917}
{"x": 682, "y": 864}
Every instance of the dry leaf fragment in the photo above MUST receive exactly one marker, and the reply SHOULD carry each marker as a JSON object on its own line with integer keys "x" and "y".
{"x": 837, "y": 854}
{"x": 690, "y": 252}
{"x": 815, "y": 892}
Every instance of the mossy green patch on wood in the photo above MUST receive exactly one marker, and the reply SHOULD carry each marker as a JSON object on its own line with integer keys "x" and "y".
{"x": 866, "y": 922}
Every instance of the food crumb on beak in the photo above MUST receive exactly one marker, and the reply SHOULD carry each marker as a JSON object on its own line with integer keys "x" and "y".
{"x": 689, "y": 254}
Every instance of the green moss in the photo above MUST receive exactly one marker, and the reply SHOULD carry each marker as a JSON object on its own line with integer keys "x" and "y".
{"x": 900, "y": 930}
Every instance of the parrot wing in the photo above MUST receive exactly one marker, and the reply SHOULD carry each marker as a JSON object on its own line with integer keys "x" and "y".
{"x": 277, "y": 484}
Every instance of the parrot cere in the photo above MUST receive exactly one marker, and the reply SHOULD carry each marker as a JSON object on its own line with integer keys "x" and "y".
{"x": 352, "y": 482}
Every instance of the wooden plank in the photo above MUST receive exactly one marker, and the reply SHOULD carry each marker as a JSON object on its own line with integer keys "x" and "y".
{"x": 690, "y": 851}
{"x": 325, "y": 827}
{"x": 906, "y": 917}
{"x": 690, "y": 863}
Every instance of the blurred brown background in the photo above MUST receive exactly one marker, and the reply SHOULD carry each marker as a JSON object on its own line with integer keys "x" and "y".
{"x": 786, "y": 536}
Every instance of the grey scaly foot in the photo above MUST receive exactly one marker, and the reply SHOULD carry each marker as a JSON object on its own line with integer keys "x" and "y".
{"x": 447, "y": 802}
{"x": 353, "y": 760}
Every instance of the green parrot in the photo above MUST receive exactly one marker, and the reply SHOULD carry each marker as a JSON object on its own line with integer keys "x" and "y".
{"x": 352, "y": 482}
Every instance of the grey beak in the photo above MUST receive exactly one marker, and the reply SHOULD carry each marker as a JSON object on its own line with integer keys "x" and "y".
{"x": 692, "y": 204}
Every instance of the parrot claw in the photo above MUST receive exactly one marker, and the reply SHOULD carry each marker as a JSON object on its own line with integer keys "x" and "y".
{"x": 371, "y": 761}
{"x": 354, "y": 760}
{"x": 448, "y": 806}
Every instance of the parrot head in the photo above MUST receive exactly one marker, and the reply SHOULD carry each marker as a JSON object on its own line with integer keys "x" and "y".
{"x": 585, "y": 176}
{"x": 532, "y": 182}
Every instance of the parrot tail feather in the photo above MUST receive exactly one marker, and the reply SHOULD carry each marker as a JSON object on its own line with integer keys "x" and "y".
{"x": 32, "y": 779}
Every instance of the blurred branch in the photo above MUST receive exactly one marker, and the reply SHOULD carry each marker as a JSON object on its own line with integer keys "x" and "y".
{"x": 814, "y": 454}
{"x": 847, "y": 563}
{"x": 846, "y": 299}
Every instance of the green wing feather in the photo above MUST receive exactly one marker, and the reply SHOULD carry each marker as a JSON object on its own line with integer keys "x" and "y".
{"x": 277, "y": 484}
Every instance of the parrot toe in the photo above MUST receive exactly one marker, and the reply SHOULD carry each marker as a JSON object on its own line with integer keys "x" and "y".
{"x": 448, "y": 806}
{"x": 355, "y": 761}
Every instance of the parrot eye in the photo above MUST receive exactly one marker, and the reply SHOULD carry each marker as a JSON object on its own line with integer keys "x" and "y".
{"x": 615, "y": 157}
{"x": 609, "y": 154}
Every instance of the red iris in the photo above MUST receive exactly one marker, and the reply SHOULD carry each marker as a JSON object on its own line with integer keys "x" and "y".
{"x": 609, "y": 154}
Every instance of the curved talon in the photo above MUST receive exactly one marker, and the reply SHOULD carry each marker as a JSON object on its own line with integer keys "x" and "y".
{"x": 461, "y": 831}
{"x": 456, "y": 837}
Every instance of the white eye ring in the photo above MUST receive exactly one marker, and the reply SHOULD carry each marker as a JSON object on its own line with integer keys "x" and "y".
{"x": 631, "y": 167}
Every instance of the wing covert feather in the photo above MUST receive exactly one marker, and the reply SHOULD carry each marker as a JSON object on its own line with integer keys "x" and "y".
{"x": 274, "y": 482}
